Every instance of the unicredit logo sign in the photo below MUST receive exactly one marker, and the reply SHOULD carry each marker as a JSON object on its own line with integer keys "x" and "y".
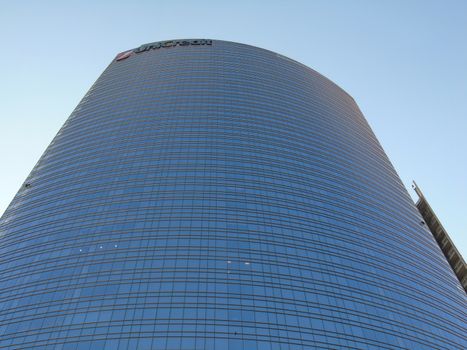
{"x": 123, "y": 55}
{"x": 162, "y": 44}
{"x": 171, "y": 43}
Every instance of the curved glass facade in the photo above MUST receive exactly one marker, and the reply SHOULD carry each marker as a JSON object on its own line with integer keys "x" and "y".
{"x": 214, "y": 195}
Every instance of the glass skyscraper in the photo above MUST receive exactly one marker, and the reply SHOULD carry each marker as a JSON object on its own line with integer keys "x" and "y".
{"x": 214, "y": 195}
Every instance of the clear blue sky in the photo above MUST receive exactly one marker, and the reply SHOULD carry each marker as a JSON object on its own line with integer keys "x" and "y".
{"x": 404, "y": 62}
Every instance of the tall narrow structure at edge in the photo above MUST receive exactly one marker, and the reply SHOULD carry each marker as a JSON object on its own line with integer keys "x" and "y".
{"x": 442, "y": 238}
{"x": 214, "y": 195}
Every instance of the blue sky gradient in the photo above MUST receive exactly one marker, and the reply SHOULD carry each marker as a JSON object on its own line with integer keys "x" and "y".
{"x": 404, "y": 62}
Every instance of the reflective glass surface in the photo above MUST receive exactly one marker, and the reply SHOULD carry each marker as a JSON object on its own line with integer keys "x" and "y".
{"x": 220, "y": 197}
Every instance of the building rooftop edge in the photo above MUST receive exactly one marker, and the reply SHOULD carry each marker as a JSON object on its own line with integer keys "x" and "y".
{"x": 253, "y": 46}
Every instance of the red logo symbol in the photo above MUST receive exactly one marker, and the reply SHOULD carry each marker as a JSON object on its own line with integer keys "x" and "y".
{"x": 123, "y": 55}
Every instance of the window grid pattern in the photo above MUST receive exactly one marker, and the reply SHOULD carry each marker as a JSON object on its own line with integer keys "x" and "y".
{"x": 224, "y": 196}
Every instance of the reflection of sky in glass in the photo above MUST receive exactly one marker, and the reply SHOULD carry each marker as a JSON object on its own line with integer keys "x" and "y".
{"x": 211, "y": 197}
{"x": 403, "y": 62}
